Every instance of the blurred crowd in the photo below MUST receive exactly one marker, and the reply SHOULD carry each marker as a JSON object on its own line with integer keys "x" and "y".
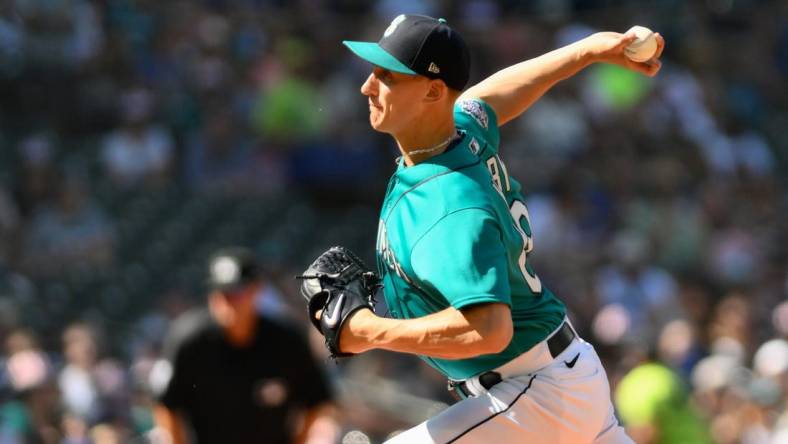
{"x": 658, "y": 205}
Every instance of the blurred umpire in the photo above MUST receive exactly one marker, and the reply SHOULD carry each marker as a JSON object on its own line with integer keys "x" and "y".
{"x": 231, "y": 376}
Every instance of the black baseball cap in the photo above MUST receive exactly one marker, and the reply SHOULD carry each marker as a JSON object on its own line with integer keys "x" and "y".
{"x": 232, "y": 268}
{"x": 417, "y": 44}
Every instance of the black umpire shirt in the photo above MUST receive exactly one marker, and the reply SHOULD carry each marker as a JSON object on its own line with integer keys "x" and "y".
{"x": 234, "y": 394}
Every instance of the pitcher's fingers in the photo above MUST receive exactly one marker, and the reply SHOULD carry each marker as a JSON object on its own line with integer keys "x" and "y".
{"x": 660, "y": 45}
{"x": 626, "y": 39}
{"x": 640, "y": 67}
{"x": 652, "y": 67}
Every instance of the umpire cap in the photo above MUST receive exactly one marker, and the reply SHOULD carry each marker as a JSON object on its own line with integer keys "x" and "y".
{"x": 417, "y": 44}
{"x": 230, "y": 269}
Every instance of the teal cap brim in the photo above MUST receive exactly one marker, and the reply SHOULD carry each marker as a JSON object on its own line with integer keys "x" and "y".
{"x": 373, "y": 53}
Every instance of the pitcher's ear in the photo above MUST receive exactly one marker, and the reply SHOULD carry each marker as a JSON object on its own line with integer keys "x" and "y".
{"x": 437, "y": 91}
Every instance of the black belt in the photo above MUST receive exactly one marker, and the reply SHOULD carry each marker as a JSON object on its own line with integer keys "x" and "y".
{"x": 556, "y": 344}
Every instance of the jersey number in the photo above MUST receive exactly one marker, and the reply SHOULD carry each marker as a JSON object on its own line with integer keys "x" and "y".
{"x": 518, "y": 211}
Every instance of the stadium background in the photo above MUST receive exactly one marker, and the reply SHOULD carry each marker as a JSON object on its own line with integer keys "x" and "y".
{"x": 137, "y": 136}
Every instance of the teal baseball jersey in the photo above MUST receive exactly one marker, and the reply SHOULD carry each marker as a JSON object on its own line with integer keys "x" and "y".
{"x": 454, "y": 232}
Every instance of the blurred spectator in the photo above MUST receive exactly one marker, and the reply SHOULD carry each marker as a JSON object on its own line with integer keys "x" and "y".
{"x": 654, "y": 407}
{"x": 771, "y": 360}
{"x": 770, "y": 389}
{"x": 60, "y": 32}
{"x": 105, "y": 433}
{"x": 555, "y": 127}
{"x": 139, "y": 153}
{"x": 220, "y": 158}
{"x": 730, "y": 329}
{"x": 10, "y": 221}
{"x": 648, "y": 293}
{"x": 18, "y": 340}
{"x": 673, "y": 223}
{"x": 74, "y": 430}
{"x": 37, "y": 182}
{"x": 16, "y": 293}
{"x": 32, "y": 416}
{"x": 288, "y": 110}
{"x": 740, "y": 407}
{"x": 94, "y": 388}
{"x": 12, "y": 37}
{"x": 734, "y": 258}
{"x": 611, "y": 91}
{"x": 72, "y": 233}
{"x": 679, "y": 347}
{"x": 76, "y": 380}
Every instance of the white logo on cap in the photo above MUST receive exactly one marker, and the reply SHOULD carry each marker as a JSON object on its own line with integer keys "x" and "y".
{"x": 434, "y": 68}
{"x": 225, "y": 270}
{"x": 393, "y": 26}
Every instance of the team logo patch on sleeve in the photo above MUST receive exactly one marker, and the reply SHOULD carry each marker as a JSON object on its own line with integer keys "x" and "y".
{"x": 475, "y": 109}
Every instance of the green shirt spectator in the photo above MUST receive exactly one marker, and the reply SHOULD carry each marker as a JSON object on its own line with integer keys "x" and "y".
{"x": 653, "y": 405}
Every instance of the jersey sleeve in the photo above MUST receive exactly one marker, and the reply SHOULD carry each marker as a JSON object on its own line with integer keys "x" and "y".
{"x": 478, "y": 119}
{"x": 463, "y": 258}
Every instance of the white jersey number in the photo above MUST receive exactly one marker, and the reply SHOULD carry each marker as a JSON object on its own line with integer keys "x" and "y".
{"x": 518, "y": 211}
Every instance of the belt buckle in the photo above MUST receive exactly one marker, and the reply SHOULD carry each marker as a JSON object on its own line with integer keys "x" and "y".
{"x": 455, "y": 388}
{"x": 463, "y": 390}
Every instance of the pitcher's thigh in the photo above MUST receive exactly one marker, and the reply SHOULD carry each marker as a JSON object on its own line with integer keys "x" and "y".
{"x": 504, "y": 415}
{"x": 613, "y": 433}
{"x": 482, "y": 419}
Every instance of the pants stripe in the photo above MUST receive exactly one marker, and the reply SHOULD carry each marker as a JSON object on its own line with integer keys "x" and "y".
{"x": 495, "y": 414}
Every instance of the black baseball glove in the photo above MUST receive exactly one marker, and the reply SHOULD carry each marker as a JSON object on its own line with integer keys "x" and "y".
{"x": 338, "y": 283}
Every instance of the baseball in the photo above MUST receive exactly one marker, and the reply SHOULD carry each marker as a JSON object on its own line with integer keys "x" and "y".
{"x": 644, "y": 47}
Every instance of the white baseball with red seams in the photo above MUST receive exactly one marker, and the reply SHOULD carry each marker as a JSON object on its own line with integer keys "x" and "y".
{"x": 644, "y": 47}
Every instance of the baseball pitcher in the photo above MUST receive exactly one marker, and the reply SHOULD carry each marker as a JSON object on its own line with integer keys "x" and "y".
{"x": 453, "y": 247}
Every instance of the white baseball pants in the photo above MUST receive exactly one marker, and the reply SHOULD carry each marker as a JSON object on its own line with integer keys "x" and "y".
{"x": 555, "y": 404}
